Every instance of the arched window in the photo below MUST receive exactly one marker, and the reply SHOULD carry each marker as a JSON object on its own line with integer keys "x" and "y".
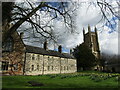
{"x": 8, "y": 45}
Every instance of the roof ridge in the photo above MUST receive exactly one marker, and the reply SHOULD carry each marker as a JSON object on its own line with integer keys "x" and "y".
{"x": 39, "y": 50}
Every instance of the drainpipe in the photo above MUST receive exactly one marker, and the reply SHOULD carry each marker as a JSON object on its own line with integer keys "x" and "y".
{"x": 43, "y": 66}
{"x": 60, "y": 65}
{"x": 24, "y": 64}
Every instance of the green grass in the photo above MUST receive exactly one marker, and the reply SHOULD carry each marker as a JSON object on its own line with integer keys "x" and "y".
{"x": 76, "y": 80}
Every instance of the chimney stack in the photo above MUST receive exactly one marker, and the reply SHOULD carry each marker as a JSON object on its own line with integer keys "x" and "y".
{"x": 71, "y": 51}
{"x": 83, "y": 34}
{"x": 45, "y": 45}
{"x": 60, "y": 49}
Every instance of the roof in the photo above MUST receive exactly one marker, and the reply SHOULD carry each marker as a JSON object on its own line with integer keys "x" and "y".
{"x": 38, "y": 50}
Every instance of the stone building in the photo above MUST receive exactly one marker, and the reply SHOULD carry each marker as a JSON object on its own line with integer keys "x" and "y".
{"x": 91, "y": 41}
{"x": 21, "y": 59}
{"x": 113, "y": 64}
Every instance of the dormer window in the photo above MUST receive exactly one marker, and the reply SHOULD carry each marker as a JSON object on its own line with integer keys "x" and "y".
{"x": 8, "y": 45}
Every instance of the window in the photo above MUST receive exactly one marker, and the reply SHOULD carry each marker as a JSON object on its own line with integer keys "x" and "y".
{"x": 67, "y": 67}
{"x": 52, "y": 68}
{"x": 61, "y": 68}
{"x": 72, "y": 65}
{"x": 32, "y": 67}
{"x": 38, "y": 57}
{"x": 8, "y": 45}
{"x": 48, "y": 68}
{"x": 15, "y": 66}
{"x": 5, "y": 65}
{"x": 37, "y": 67}
{"x": 64, "y": 68}
{"x": 33, "y": 57}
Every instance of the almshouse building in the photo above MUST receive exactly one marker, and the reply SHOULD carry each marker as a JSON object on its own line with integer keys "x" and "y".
{"x": 21, "y": 59}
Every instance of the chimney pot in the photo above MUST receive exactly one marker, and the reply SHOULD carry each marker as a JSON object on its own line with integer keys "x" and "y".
{"x": 45, "y": 45}
{"x": 70, "y": 51}
{"x": 60, "y": 49}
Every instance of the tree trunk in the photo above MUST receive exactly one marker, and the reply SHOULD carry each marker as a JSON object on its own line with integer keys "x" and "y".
{"x": 10, "y": 31}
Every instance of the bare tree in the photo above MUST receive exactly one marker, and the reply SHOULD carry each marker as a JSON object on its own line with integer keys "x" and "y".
{"x": 22, "y": 13}
{"x": 30, "y": 13}
{"x": 27, "y": 11}
{"x": 107, "y": 8}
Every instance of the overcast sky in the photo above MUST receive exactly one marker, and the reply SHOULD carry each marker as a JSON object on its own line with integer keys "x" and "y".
{"x": 108, "y": 37}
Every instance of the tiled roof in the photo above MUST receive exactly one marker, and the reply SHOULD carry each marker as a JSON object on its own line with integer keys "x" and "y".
{"x": 38, "y": 50}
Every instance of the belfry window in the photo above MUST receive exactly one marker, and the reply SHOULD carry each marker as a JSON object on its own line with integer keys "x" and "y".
{"x": 8, "y": 45}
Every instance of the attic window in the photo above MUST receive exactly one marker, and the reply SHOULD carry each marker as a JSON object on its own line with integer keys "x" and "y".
{"x": 8, "y": 45}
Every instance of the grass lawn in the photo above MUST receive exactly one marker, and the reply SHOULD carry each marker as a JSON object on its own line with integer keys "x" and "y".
{"x": 76, "y": 80}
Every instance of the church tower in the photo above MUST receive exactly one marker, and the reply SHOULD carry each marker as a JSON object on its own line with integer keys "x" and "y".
{"x": 91, "y": 41}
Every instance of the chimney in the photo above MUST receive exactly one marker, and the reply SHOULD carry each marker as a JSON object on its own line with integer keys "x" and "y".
{"x": 60, "y": 49}
{"x": 83, "y": 31}
{"x": 45, "y": 45}
{"x": 83, "y": 34}
{"x": 71, "y": 51}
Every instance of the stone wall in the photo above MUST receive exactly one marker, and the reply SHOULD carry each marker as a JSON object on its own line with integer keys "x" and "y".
{"x": 36, "y": 64}
{"x": 14, "y": 58}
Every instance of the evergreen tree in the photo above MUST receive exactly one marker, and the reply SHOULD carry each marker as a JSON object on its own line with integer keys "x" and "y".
{"x": 84, "y": 56}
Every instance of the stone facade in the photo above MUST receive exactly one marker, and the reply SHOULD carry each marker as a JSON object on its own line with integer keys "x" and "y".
{"x": 37, "y": 64}
{"x": 91, "y": 41}
{"x": 112, "y": 65}
{"x": 21, "y": 59}
{"x": 13, "y": 55}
